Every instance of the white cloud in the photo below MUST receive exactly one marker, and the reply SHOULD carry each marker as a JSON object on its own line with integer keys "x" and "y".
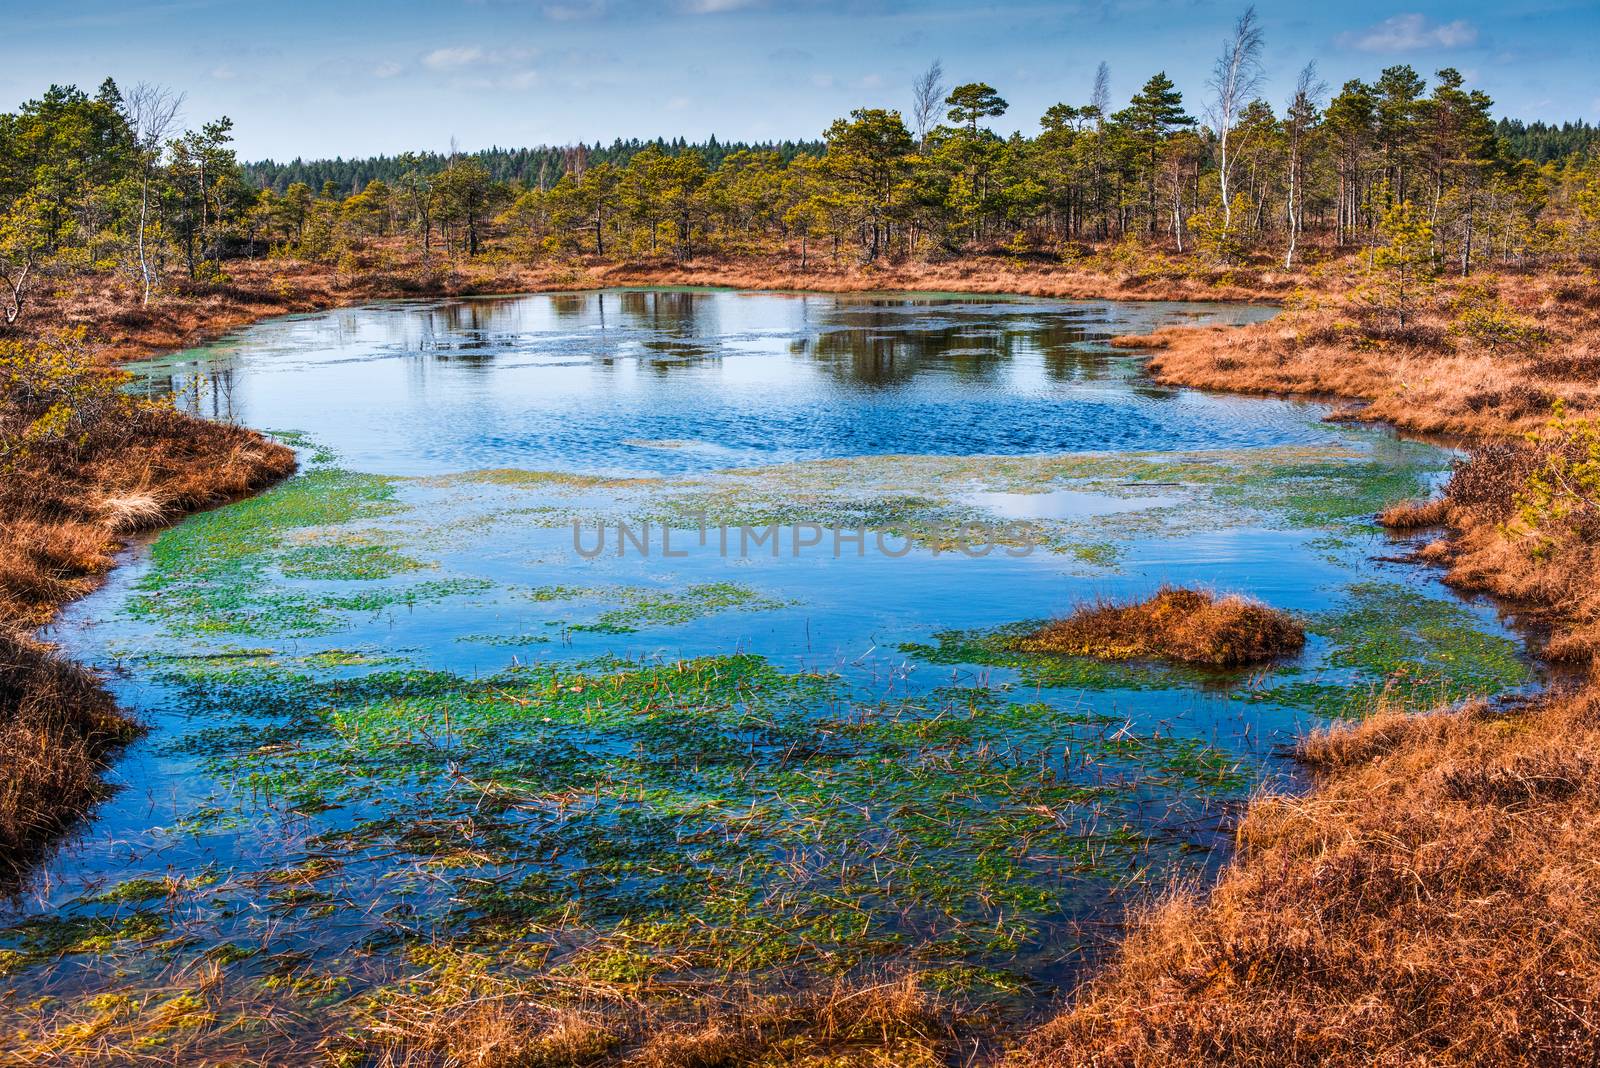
{"x": 452, "y": 58}
{"x": 463, "y": 57}
{"x": 387, "y": 70}
{"x": 1411, "y": 33}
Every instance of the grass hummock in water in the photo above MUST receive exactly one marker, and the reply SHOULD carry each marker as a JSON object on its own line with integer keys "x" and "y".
{"x": 1186, "y": 626}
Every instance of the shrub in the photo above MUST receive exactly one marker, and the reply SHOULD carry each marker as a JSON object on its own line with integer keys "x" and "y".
{"x": 1485, "y": 321}
{"x": 53, "y": 390}
{"x": 1216, "y": 237}
{"x": 1560, "y": 501}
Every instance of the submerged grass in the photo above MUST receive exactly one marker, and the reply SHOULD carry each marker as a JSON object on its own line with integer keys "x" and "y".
{"x": 632, "y": 826}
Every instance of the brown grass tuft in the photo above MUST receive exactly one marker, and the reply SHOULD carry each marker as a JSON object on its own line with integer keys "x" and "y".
{"x": 1414, "y": 515}
{"x": 1433, "y": 901}
{"x": 460, "y": 1017}
{"x": 1188, "y": 626}
{"x": 57, "y": 723}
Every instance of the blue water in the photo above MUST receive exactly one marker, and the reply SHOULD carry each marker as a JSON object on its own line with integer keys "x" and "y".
{"x": 576, "y": 382}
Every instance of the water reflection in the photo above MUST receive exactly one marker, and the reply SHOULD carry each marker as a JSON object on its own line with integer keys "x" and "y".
{"x": 567, "y": 380}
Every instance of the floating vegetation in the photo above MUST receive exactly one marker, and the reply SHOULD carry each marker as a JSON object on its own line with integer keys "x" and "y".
{"x": 635, "y": 821}
{"x": 1387, "y": 640}
{"x": 1416, "y": 652}
{"x": 537, "y": 480}
{"x": 667, "y": 608}
{"x": 221, "y": 572}
{"x": 1002, "y": 647}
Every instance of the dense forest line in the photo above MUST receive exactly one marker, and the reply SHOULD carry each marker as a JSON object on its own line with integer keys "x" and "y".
{"x": 1545, "y": 142}
{"x": 530, "y": 168}
{"x": 104, "y": 182}
{"x": 542, "y": 166}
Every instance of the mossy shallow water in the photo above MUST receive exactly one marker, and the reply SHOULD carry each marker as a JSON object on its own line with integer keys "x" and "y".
{"x": 645, "y": 823}
{"x": 1383, "y": 641}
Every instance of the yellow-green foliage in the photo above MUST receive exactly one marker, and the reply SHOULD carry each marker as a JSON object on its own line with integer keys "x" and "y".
{"x": 1561, "y": 501}
{"x": 1485, "y": 321}
{"x": 1403, "y": 266}
{"x": 56, "y": 389}
{"x": 1219, "y": 237}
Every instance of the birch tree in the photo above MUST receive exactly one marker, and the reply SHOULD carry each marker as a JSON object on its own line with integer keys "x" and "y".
{"x": 1235, "y": 79}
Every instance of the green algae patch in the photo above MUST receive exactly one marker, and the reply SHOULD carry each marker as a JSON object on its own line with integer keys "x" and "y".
{"x": 349, "y": 563}
{"x": 517, "y": 478}
{"x": 1395, "y": 645}
{"x": 223, "y": 572}
{"x": 1002, "y": 647}
{"x": 211, "y": 573}
{"x": 319, "y": 454}
{"x": 43, "y": 939}
{"x": 1388, "y": 642}
{"x": 670, "y": 608}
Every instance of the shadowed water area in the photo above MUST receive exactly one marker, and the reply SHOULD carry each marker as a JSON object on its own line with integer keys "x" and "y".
{"x": 642, "y": 638}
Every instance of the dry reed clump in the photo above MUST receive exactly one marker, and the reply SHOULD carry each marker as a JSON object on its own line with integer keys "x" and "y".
{"x": 83, "y": 464}
{"x": 1188, "y": 626}
{"x": 1525, "y": 516}
{"x": 1415, "y": 515}
{"x": 1433, "y": 901}
{"x": 56, "y": 725}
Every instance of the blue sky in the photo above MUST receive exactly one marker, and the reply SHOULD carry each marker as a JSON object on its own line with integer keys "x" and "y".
{"x": 356, "y": 78}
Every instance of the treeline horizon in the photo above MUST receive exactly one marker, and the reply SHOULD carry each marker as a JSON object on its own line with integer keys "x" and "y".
{"x": 540, "y": 166}
{"x": 535, "y": 167}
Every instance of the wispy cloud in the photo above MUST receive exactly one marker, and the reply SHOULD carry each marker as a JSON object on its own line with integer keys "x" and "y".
{"x": 452, "y": 58}
{"x": 1411, "y": 33}
{"x": 575, "y": 12}
{"x": 715, "y": 7}
{"x": 463, "y": 57}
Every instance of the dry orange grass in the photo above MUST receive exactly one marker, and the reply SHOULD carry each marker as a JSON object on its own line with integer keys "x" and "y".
{"x": 1436, "y": 898}
{"x": 56, "y": 725}
{"x": 1095, "y": 279}
{"x": 1188, "y": 626}
{"x": 1434, "y": 901}
{"x": 65, "y": 503}
{"x": 1428, "y": 378}
{"x": 1415, "y": 515}
{"x": 260, "y": 288}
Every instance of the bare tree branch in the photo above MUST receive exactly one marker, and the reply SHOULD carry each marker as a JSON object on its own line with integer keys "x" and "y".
{"x": 1100, "y": 99}
{"x": 1235, "y": 79}
{"x": 152, "y": 112}
{"x": 927, "y": 94}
